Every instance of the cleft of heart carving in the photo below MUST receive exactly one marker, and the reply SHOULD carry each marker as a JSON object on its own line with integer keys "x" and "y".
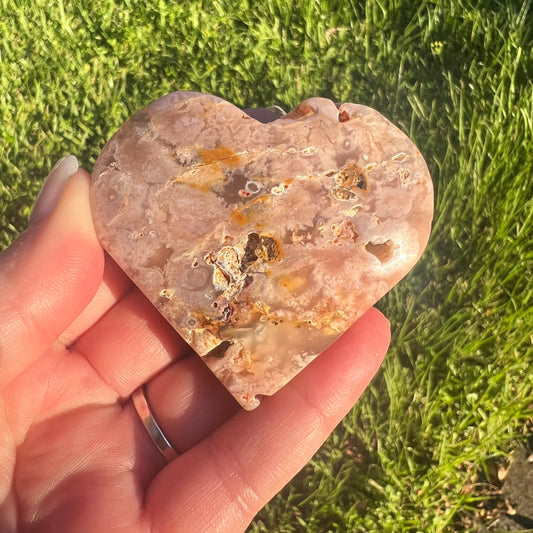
{"x": 261, "y": 243}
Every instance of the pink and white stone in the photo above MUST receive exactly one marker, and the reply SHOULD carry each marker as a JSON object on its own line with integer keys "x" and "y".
{"x": 261, "y": 243}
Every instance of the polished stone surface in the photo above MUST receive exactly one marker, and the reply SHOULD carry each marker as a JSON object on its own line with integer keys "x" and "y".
{"x": 261, "y": 243}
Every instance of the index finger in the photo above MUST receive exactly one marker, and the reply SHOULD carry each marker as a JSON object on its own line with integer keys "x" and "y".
{"x": 47, "y": 277}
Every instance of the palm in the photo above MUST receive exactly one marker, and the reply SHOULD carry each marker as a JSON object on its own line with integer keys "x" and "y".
{"x": 73, "y": 453}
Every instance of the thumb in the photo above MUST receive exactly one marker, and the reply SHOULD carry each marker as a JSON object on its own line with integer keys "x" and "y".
{"x": 53, "y": 187}
{"x": 49, "y": 274}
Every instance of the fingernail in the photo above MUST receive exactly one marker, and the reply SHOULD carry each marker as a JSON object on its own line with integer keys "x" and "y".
{"x": 53, "y": 187}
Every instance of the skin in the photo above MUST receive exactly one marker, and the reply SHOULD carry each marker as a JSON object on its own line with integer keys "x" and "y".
{"x": 77, "y": 338}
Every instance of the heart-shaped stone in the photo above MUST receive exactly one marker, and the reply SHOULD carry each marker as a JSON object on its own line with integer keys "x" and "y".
{"x": 261, "y": 243}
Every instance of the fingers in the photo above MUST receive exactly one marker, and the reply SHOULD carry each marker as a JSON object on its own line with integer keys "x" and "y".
{"x": 189, "y": 402}
{"x": 114, "y": 286}
{"x": 241, "y": 465}
{"x": 47, "y": 277}
{"x": 53, "y": 188}
{"x": 130, "y": 344}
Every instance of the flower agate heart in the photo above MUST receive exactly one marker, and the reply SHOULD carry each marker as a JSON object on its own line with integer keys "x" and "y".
{"x": 261, "y": 243}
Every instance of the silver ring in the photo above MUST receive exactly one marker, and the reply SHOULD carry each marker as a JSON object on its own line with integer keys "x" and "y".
{"x": 145, "y": 414}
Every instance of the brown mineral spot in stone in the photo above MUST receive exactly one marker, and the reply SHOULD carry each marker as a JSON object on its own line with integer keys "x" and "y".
{"x": 251, "y": 250}
{"x": 352, "y": 177}
{"x": 383, "y": 251}
{"x": 344, "y": 116}
{"x": 270, "y": 249}
{"x": 261, "y": 243}
{"x": 343, "y": 193}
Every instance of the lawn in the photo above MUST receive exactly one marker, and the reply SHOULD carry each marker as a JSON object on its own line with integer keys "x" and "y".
{"x": 455, "y": 394}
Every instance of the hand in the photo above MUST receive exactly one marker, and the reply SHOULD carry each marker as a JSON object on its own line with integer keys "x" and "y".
{"x": 76, "y": 339}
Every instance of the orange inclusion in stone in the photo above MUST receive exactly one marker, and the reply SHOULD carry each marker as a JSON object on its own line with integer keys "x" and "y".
{"x": 205, "y": 188}
{"x": 220, "y": 154}
{"x": 239, "y": 217}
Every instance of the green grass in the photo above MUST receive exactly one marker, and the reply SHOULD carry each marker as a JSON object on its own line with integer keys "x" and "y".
{"x": 455, "y": 392}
